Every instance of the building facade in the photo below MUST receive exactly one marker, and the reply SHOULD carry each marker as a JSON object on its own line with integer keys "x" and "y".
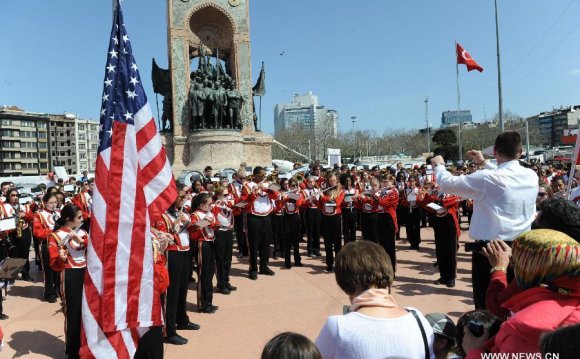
{"x": 24, "y": 143}
{"x": 305, "y": 111}
{"x": 87, "y": 140}
{"x": 453, "y": 118}
{"x": 551, "y": 124}
{"x": 62, "y": 144}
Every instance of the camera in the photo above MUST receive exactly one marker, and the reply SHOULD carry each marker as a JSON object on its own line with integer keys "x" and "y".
{"x": 475, "y": 246}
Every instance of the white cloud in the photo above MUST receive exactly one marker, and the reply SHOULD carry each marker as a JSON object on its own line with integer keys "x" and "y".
{"x": 575, "y": 72}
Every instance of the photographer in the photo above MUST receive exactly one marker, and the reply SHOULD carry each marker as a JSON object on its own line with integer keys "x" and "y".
{"x": 504, "y": 201}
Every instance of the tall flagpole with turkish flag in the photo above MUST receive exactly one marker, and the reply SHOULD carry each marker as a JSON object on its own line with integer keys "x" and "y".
{"x": 463, "y": 58}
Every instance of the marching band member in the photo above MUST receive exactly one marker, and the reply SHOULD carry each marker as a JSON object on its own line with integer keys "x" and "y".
{"x": 367, "y": 204}
{"x": 401, "y": 212}
{"x": 196, "y": 189}
{"x": 235, "y": 191}
{"x": 84, "y": 201}
{"x": 224, "y": 238}
{"x": 67, "y": 251}
{"x": 388, "y": 199}
{"x": 292, "y": 200}
{"x": 311, "y": 199}
{"x": 202, "y": 231}
{"x": 174, "y": 222}
{"x": 259, "y": 198}
{"x": 43, "y": 225}
{"x": 446, "y": 231}
{"x": 277, "y": 222}
{"x": 413, "y": 214}
{"x": 20, "y": 238}
{"x": 349, "y": 211}
{"x": 330, "y": 202}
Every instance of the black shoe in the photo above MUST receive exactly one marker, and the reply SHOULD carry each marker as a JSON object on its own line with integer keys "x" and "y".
{"x": 175, "y": 340}
{"x": 230, "y": 287}
{"x": 253, "y": 275}
{"x": 439, "y": 281}
{"x": 210, "y": 309}
{"x": 288, "y": 266}
{"x": 267, "y": 271}
{"x": 316, "y": 253}
{"x": 309, "y": 253}
{"x": 298, "y": 264}
{"x": 240, "y": 255}
{"x": 449, "y": 283}
{"x": 191, "y": 279}
{"x": 27, "y": 278}
{"x": 188, "y": 326}
{"x": 275, "y": 257}
{"x": 414, "y": 246}
{"x": 225, "y": 291}
{"x": 51, "y": 299}
{"x": 3, "y": 316}
{"x": 330, "y": 269}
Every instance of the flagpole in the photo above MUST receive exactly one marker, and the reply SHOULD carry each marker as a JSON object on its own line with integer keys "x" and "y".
{"x": 159, "y": 118}
{"x": 260, "y": 118}
{"x": 458, "y": 104}
{"x": 501, "y": 125}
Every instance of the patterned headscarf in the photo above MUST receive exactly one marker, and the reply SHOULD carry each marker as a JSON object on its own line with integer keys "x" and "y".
{"x": 542, "y": 255}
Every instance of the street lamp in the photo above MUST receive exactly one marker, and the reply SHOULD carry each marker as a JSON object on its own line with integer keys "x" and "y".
{"x": 353, "y": 119}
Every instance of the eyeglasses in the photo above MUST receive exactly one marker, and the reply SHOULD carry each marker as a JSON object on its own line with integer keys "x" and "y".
{"x": 13, "y": 195}
{"x": 542, "y": 194}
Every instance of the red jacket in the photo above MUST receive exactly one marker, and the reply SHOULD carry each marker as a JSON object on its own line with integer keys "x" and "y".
{"x": 389, "y": 202}
{"x": 499, "y": 291}
{"x": 326, "y": 202}
{"x": 535, "y": 311}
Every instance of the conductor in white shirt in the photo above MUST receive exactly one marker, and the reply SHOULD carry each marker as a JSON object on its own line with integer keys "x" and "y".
{"x": 503, "y": 197}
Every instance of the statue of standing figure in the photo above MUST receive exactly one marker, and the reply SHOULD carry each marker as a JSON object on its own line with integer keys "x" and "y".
{"x": 234, "y": 105}
{"x": 219, "y": 106}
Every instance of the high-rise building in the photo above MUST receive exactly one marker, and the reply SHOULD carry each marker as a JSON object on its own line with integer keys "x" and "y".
{"x": 553, "y": 123}
{"x": 306, "y": 112}
{"x": 453, "y": 118}
{"x": 24, "y": 142}
{"x": 87, "y": 139}
{"x": 62, "y": 144}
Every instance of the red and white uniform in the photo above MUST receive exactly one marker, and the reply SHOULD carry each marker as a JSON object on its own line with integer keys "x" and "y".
{"x": 223, "y": 212}
{"x": 311, "y": 197}
{"x": 206, "y": 233}
{"x": 43, "y": 223}
{"x": 169, "y": 223}
{"x": 387, "y": 203}
{"x": 76, "y": 252}
{"x": 235, "y": 193}
{"x": 292, "y": 206}
{"x": 349, "y": 198}
{"x": 84, "y": 201}
{"x": 260, "y": 202}
{"x": 329, "y": 206}
{"x": 367, "y": 204}
{"x": 409, "y": 198}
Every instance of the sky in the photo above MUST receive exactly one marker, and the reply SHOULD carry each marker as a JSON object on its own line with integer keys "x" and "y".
{"x": 374, "y": 59}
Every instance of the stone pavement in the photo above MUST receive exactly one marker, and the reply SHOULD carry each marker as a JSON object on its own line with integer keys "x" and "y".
{"x": 299, "y": 300}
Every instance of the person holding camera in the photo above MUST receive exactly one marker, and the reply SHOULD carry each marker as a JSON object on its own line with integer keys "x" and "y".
{"x": 504, "y": 201}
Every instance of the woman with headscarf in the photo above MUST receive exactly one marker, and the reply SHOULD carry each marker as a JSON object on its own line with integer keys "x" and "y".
{"x": 547, "y": 270}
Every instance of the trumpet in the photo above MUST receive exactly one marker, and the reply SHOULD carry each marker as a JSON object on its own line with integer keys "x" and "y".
{"x": 20, "y": 223}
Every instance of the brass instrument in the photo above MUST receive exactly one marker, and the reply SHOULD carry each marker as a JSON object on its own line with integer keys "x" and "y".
{"x": 299, "y": 177}
{"x": 20, "y": 223}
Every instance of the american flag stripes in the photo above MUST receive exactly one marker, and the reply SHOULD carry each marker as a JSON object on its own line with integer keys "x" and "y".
{"x": 133, "y": 183}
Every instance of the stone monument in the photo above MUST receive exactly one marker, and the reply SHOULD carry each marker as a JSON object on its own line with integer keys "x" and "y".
{"x": 210, "y": 114}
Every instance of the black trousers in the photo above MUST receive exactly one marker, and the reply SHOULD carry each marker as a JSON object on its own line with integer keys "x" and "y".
{"x": 51, "y": 278}
{"x": 150, "y": 345}
{"x": 240, "y": 234}
{"x": 364, "y": 224}
{"x": 303, "y": 228}
{"x": 259, "y": 238}
{"x": 401, "y": 218}
{"x": 445, "y": 246}
{"x": 178, "y": 264}
{"x": 413, "y": 225}
{"x": 371, "y": 226}
{"x": 312, "y": 230}
{"x": 72, "y": 280}
{"x": 423, "y": 217}
{"x": 349, "y": 224}
{"x": 480, "y": 277}
{"x": 205, "y": 272}
{"x": 21, "y": 248}
{"x": 278, "y": 234}
{"x": 386, "y": 236}
{"x": 332, "y": 237}
{"x": 224, "y": 243}
{"x": 4, "y": 244}
{"x": 292, "y": 237}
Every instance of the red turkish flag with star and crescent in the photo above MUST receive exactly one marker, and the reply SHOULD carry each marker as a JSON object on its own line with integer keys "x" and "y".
{"x": 463, "y": 57}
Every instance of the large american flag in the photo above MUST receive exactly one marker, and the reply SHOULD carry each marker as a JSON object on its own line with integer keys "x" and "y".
{"x": 133, "y": 183}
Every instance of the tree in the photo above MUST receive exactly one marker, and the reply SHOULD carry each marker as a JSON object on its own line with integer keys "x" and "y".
{"x": 446, "y": 141}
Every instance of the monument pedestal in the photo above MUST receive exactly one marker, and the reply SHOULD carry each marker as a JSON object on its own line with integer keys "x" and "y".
{"x": 219, "y": 149}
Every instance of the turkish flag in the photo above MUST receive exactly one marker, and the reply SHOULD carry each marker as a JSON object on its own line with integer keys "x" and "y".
{"x": 463, "y": 57}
